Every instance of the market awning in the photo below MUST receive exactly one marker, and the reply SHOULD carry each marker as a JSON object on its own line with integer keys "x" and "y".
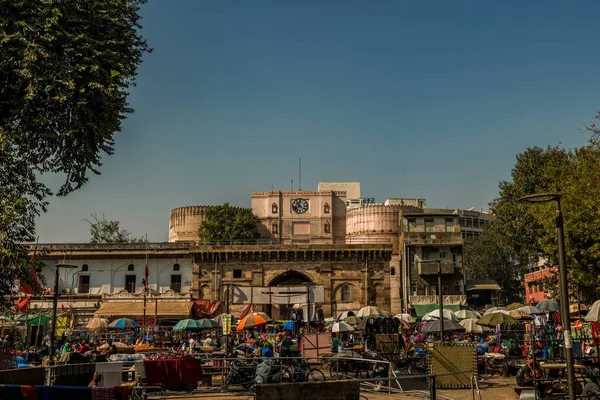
{"x": 136, "y": 309}
{"x": 422, "y": 309}
{"x": 486, "y": 284}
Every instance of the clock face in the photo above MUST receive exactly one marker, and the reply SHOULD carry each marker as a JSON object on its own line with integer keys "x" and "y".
{"x": 300, "y": 206}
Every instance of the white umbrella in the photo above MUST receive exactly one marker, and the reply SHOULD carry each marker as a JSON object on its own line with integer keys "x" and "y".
{"x": 435, "y": 314}
{"x": 471, "y": 326}
{"x": 464, "y": 314}
{"x": 369, "y": 311}
{"x": 97, "y": 323}
{"x": 344, "y": 315}
{"x": 530, "y": 310}
{"x": 405, "y": 317}
{"x": 341, "y": 327}
{"x": 495, "y": 309}
{"x": 594, "y": 312}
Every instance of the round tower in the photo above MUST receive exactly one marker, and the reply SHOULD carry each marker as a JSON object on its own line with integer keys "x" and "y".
{"x": 185, "y": 222}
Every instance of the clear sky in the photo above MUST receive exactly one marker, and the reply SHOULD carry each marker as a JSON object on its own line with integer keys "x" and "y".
{"x": 425, "y": 99}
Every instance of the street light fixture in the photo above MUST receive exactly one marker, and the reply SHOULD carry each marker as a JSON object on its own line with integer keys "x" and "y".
{"x": 54, "y": 307}
{"x": 563, "y": 284}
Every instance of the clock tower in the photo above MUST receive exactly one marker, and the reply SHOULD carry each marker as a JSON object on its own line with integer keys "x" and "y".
{"x": 304, "y": 216}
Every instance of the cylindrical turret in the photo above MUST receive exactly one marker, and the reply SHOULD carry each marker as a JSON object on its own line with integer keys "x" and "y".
{"x": 185, "y": 222}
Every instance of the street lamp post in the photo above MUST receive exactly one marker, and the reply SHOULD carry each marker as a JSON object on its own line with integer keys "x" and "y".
{"x": 440, "y": 297}
{"x": 563, "y": 284}
{"x": 54, "y": 307}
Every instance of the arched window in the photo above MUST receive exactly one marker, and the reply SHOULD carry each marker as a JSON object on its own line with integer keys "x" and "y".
{"x": 346, "y": 293}
{"x": 392, "y": 271}
{"x": 274, "y": 208}
{"x": 175, "y": 267}
{"x": 326, "y": 208}
{"x": 130, "y": 267}
{"x": 327, "y": 227}
{"x": 274, "y": 228}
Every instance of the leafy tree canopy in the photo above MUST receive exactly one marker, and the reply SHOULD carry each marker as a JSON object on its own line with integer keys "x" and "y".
{"x": 103, "y": 231}
{"x": 522, "y": 233}
{"x": 65, "y": 70}
{"x": 228, "y": 224}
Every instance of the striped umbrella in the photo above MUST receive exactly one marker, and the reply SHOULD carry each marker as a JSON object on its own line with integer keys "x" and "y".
{"x": 123, "y": 323}
{"x": 344, "y": 315}
{"x": 465, "y": 314}
{"x": 471, "y": 326}
{"x": 253, "y": 320}
{"x": 405, "y": 317}
{"x": 369, "y": 311}
{"x": 531, "y": 310}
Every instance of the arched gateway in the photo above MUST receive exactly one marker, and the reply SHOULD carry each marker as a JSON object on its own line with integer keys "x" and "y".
{"x": 287, "y": 278}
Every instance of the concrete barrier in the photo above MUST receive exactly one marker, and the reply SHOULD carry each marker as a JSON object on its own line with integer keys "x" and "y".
{"x": 330, "y": 390}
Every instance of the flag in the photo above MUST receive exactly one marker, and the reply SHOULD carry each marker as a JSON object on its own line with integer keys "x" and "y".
{"x": 62, "y": 307}
{"x": 246, "y": 311}
{"x": 26, "y": 288}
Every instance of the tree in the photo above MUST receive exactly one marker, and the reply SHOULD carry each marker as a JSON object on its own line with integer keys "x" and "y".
{"x": 511, "y": 242}
{"x": 103, "y": 231}
{"x": 228, "y": 224}
{"x": 65, "y": 70}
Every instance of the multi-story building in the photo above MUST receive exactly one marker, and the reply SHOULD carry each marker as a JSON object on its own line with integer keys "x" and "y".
{"x": 534, "y": 288}
{"x": 431, "y": 240}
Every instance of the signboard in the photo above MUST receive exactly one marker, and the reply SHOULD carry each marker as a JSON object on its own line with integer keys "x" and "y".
{"x": 289, "y": 295}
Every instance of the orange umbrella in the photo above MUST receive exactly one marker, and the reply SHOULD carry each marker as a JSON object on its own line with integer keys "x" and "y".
{"x": 253, "y": 320}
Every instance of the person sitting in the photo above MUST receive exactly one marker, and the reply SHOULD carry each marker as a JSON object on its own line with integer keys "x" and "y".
{"x": 591, "y": 390}
{"x": 335, "y": 343}
{"x": 529, "y": 372}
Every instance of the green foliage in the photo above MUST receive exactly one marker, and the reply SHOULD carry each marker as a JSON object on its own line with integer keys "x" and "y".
{"x": 510, "y": 243}
{"x": 65, "y": 70}
{"x": 103, "y": 231}
{"x": 228, "y": 224}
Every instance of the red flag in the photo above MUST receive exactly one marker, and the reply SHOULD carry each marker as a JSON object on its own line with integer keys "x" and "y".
{"x": 246, "y": 311}
{"x": 22, "y": 304}
{"x": 62, "y": 307}
{"x": 24, "y": 287}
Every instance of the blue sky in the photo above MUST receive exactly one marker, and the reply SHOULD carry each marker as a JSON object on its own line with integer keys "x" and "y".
{"x": 425, "y": 99}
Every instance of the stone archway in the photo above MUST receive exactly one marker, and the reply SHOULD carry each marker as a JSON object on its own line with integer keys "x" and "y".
{"x": 287, "y": 278}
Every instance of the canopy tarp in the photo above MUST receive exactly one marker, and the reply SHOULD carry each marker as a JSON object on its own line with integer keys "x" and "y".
{"x": 422, "y": 309}
{"x": 37, "y": 320}
{"x": 136, "y": 309}
{"x": 482, "y": 284}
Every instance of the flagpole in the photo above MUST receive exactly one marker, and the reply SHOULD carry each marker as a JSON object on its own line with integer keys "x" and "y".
{"x": 146, "y": 275}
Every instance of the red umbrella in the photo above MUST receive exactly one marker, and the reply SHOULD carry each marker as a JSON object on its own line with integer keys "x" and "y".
{"x": 253, "y": 320}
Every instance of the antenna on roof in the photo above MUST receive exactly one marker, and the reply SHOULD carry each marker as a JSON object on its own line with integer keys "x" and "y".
{"x": 300, "y": 174}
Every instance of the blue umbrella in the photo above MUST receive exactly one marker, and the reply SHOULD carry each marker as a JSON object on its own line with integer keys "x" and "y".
{"x": 288, "y": 326}
{"x": 123, "y": 323}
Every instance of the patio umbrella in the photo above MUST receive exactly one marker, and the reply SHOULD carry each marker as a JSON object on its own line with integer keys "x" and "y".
{"x": 471, "y": 326}
{"x": 186, "y": 325}
{"x": 435, "y": 314}
{"x": 494, "y": 309}
{"x": 369, "y": 311}
{"x": 405, "y": 317}
{"x": 97, "y": 323}
{"x": 531, "y": 310}
{"x": 449, "y": 326}
{"x": 519, "y": 314}
{"x": 514, "y": 306}
{"x": 123, "y": 323}
{"x": 206, "y": 323}
{"x": 344, "y": 315}
{"x": 253, "y": 320}
{"x": 341, "y": 327}
{"x": 548, "y": 306}
{"x": 496, "y": 318}
{"x": 594, "y": 312}
{"x": 351, "y": 320}
{"x": 464, "y": 314}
